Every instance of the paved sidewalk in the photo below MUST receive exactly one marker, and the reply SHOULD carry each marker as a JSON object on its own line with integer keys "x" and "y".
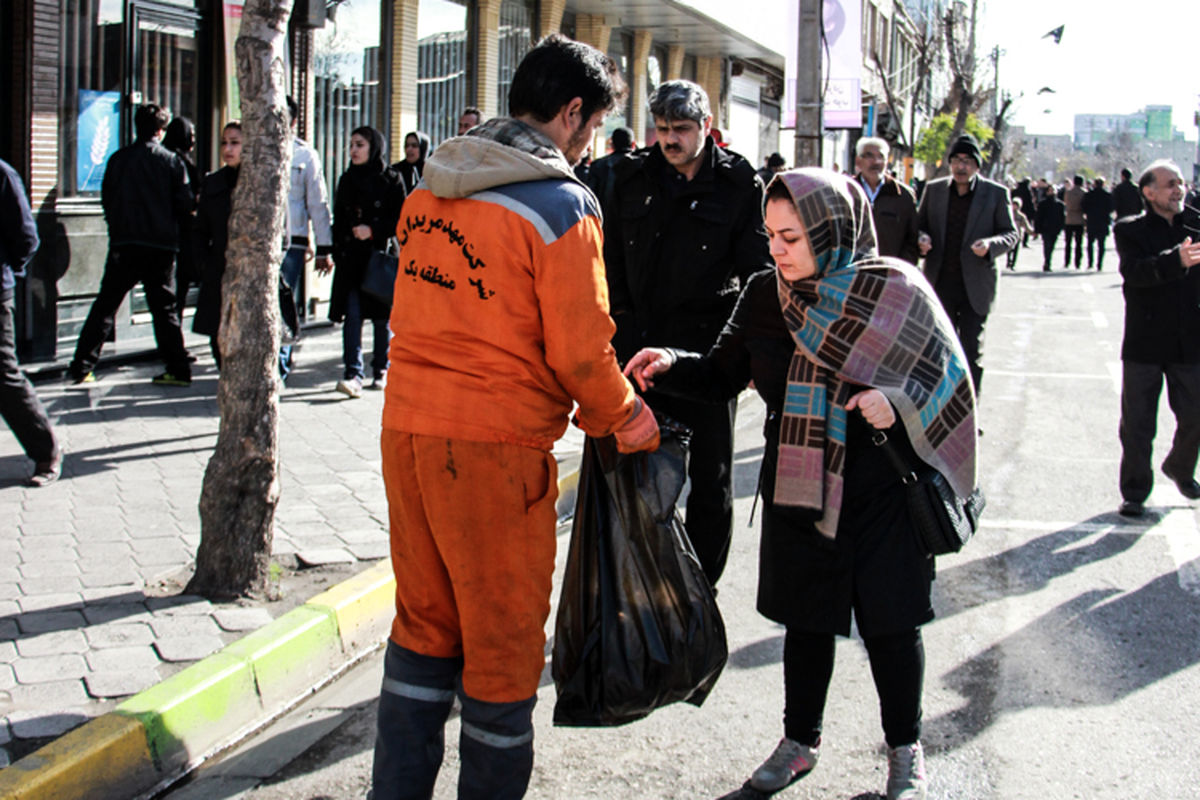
{"x": 83, "y": 622}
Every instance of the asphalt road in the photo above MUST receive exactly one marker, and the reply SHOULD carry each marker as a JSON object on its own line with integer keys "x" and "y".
{"x": 1062, "y": 663}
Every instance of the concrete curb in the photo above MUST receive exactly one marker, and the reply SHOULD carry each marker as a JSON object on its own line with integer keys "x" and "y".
{"x": 153, "y": 738}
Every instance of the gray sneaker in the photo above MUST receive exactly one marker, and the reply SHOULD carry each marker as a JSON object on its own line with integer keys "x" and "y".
{"x": 789, "y": 760}
{"x": 906, "y": 773}
{"x": 351, "y": 387}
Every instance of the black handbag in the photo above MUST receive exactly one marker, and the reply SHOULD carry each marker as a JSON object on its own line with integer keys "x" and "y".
{"x": 379, "y": 278}
{"x": 944, "y": 522}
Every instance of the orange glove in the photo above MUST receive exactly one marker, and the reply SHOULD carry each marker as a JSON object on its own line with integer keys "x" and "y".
{"x": 639, "y": 432}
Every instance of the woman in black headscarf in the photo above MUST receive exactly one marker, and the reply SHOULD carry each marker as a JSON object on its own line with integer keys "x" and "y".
{"x": 417, "y": 148}
{"x": 212, "y": 234}
{"x": 365, "y": 211}
{"x": 180, "y": 139}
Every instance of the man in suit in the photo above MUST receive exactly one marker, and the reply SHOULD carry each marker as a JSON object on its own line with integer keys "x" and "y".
{"x": 966, "y": 223}
{"x": 893, "y": 205}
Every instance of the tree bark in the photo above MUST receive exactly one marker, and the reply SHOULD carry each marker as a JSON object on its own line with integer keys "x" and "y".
{"x": 241, "y": 482}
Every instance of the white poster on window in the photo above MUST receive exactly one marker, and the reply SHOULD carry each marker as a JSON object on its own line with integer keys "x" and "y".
{"x": 842, "y": 98}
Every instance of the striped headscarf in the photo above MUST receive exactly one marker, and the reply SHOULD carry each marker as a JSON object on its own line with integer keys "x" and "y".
{"x": 862, "y": 320}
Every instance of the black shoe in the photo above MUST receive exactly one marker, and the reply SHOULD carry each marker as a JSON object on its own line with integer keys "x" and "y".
{"x": 169, "y": 379}
{"x": 1188, "y": 487}
{"x": 47, "y": 472}
{"x": 1129, "y": 508}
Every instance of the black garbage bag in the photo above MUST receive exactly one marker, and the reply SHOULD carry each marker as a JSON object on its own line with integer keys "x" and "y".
{"x": 637, "y": 625}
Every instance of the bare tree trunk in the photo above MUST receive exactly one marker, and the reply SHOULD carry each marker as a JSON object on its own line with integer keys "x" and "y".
{"x": 962, "y": 67}
{"x": 241, "y": 483}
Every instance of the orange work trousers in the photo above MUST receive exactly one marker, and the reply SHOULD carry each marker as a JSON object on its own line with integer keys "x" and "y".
{"x": 472, "y": 541}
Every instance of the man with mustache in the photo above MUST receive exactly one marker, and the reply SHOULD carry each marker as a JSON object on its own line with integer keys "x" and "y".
{"x": 966, "y": 223}
{"x": 893, "y": 205}
{"x": 1162, "y": 337}
{"x": 683, "y": 233}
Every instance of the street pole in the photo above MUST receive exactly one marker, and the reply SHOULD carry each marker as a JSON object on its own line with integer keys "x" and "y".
{"x": 808, "y": 86}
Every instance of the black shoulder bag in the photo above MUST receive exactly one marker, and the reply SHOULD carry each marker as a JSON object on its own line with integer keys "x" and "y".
{"x": 944, "y": 522}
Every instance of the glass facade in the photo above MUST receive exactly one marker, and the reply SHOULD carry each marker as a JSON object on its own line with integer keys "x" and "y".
{"x": 515, "y": 36}
{"x": 443, "y": 69}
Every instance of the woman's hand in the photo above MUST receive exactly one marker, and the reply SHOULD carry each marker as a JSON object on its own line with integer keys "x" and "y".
{"x": 875, "y": 407}
{"x": 361, "y": 232}
{"x": 648, "y": 362}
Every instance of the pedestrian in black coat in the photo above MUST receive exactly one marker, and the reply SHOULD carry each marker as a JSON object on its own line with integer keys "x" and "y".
{"x": 417, "y": 148}
{"x": 180, "y": 139}
{"x": 1098, "y": 207}
{"x": 365, "y": 211}
{"x": 212, "y": 235}
{"x": 1051, "y": 217}
{"x": 1024, "y": 193}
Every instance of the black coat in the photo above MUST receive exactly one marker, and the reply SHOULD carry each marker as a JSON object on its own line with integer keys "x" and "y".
{"x": 1024, "y": 193}
{"x": 804, "y": 579}
{"x": 375, "y": 202}
{"x": 1051, "y": 217}
{"x": 678, "y": 252}
{"x": 1162, "y": 299}
{"x": 1098, "y": 205}
{"x": 211, "y": 239}
{"x": 1127, "y": 199}
{"x": 145, "y": 192}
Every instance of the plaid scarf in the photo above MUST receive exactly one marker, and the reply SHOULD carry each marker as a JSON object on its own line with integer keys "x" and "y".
{"x": 862, "y": 320}
{"x": 523, "y": 137}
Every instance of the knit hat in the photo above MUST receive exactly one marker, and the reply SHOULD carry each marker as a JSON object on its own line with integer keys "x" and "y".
{"x": 967, "y": 144}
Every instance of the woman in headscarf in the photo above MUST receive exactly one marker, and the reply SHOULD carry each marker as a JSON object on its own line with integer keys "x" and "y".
{"x": 840, "y": 344}
{"x": 212, "y": 234}
{"x": 180, "y": 139}
{"x": 417, "y": 148}
{"x": 365, "y": 210}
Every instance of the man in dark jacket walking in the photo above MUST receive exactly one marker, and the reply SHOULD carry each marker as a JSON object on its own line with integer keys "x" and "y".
{"x": 1162, "y": 337}
{"x": 19, "y": 404}
{"x": 144, "y": 194}
{"x": 893, "y": 205}
{"x": 683, "y": 234}
{"x": 1098, "y": 211}
{"x": 602, "y": 172}
{"x": 1051, "y": 215}
{"x": 1126, "y": 197}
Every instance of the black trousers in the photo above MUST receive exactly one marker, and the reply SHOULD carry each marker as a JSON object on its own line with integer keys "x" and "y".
{"x": 968, "y": 323}
{"x": 897, "y": 666}
{"x": 1073, "y": 232}
{"x": 1141, "y": 385}
{"x": 1048, "y": 242}
{"x": 1098, "y": 237}
{"x": 709, "y": 516}
{"x": 19, "y": 404}
{"x": 127, "y": 266}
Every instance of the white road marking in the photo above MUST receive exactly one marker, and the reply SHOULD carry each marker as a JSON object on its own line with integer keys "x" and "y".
{"x": 1066, "y": 376}
{"x": 1099, "y": 319}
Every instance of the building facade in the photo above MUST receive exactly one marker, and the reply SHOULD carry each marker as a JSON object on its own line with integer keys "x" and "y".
{"x": 79, "y": 67}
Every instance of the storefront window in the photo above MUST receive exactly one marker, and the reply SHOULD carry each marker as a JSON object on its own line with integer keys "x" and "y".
{"x": 516, "y": 36}
{"x": 443, "y": 74}
{"x": 104, "y": 76}
{"x": 347, "y": 82}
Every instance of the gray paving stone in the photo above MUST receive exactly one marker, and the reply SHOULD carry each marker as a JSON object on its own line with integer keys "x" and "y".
{"x": 44, "y": 621}
{"x": 44, "y": 569}
{"x": 370, "y": 551}
{"x": 42, "y": 542}
{"x": 121, "y": 593}
{"x": 115, "y": 659}
{"x": 8, "y": 629}
{"x": 329, "y": 542}
{"x": 49, "y": 668}
{"x": 119, "y": 634}
{"x": 117, "y": 612}
{"x": 5, "y": 732}
{"x": 50, "y": 585}
{"x": 50, "y": 644}
{"x": 179, "y": 605}
{"x": 9, "y": 575}
{"x": 242, "y": 619}
{"x": 7, "y": 679}
{"x": 121, "y": 683}
{"x": 41, "y": 525}
{"x": 8, "y": 651}
{"x": 105, "y": 531}
{"x": 50, "y": 602}
{"x": 117, "y": 575}
{"x": 316, "y": 558}
{"x": 167, "y": 627}
{"x": 33, "y": 724}
{"x": 102, "y": 552}
{"x": 187, "y": 648}
{"x": 363, "y": 534}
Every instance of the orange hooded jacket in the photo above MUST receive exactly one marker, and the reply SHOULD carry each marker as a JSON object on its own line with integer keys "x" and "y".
{"x": 500, "y": 317}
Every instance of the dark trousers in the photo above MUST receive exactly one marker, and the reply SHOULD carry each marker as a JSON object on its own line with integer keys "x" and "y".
{"x": 19, "y": 404}
{"x": 495, "y": 744}
{"x": 1099, "y": 237}
{"x": 1141, "y": 385}
{"x": 709, "y": 517}
{"x": 1073, "y": 232}
{"x": 1012, "y": 255}
{"x": 1048, "y": 242}
{"x": 897, "y": 666}
{"x": 968, "y": 323}
{"x": 127, "y": 266}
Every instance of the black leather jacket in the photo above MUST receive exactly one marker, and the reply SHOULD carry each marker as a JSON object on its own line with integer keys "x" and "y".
{"x": 145, "y": 193}
{"x": 1162, "y": 299}
{"x": 678, "y": 252}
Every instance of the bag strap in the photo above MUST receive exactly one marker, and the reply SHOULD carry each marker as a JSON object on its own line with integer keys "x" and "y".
{"x": 881, "y": 440}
